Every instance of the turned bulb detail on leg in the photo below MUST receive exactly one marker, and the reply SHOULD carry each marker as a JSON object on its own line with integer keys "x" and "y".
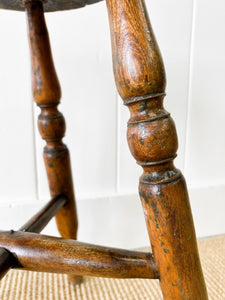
{"x": 152, "y": 138}
{"x": 51, "y": 123}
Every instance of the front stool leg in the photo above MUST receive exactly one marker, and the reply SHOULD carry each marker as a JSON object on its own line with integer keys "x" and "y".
{"x": 51, "y": 123}
{"x": 140, "y": 79}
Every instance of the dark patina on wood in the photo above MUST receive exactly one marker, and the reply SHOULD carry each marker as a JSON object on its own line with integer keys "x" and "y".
{"x": 38, "y": 222}
{"x": 49, "y": 5}
{"x": 7, "y": 261}
{"x": 141, "y": 81}
{"x": 50, "y": 254}
{"x": 51, "y": 123}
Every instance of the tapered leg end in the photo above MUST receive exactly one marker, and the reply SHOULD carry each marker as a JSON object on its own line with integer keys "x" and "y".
{"x": 75, "y": 279}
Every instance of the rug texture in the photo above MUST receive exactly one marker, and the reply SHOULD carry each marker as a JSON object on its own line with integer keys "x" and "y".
{"x": 22, "y": 285}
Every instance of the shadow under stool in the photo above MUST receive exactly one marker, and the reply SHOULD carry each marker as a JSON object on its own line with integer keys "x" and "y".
{"x": 140, "y": 80}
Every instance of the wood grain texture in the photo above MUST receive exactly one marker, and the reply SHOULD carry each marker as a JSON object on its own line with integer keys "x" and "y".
{"x": 50, "y": 254}
{"x": 49, "y": 5}
{"x": 140, "y": 79}
{"x": 51, "y": 123}
{"x": 135, "y": 52}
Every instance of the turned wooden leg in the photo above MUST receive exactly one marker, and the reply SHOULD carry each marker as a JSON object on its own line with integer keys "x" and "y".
{"x": 152, "y": 138}
{"x": 51, "y": 123}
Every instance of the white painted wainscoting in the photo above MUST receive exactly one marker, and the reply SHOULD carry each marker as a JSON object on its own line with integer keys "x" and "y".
{"x": 191, "y": 35}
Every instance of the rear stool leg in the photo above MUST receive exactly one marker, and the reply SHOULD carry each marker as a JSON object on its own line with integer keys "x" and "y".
{"x": 140, "y": 79}
{"x": 51, "y": 123}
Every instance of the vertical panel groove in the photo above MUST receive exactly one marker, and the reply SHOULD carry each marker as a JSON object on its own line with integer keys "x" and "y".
{"x": 188, "y": 107}
{"x": 117, "y": 140}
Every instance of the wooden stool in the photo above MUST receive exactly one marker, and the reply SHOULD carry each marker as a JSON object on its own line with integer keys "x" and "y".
{"x": 140, "y": 79}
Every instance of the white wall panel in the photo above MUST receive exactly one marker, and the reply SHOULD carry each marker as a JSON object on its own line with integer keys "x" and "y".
{"x": 205, "y": 163}
{"x": 17, "y": 164}
{"x": 171, "y": 21}
{"x": 81, "y": 46}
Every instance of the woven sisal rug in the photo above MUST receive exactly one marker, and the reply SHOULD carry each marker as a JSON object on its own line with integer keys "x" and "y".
{"x": 22, "y": 285}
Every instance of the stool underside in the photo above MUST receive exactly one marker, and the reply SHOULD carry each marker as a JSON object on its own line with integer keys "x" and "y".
{"x": 49, "y": 5}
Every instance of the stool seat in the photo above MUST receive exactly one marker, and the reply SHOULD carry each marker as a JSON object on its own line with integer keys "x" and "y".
{"x": 49, "y": 5}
